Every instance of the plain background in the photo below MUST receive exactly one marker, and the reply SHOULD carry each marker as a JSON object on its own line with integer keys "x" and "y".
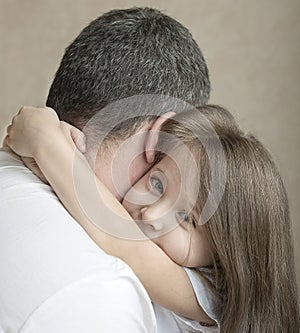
{"x": 252, "y": 49}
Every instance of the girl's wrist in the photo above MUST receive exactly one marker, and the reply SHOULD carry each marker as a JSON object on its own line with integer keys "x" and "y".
{"x": 49, "y": 144}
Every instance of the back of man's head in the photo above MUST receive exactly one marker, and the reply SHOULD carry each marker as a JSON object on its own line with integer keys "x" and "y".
{"x": 124, "y": 53}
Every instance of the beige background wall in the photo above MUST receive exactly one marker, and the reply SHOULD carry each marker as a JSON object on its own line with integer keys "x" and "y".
{"x": 252, "y": 49}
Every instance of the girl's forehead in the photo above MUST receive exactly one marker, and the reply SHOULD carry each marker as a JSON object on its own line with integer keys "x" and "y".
{"x": 183, "y": 161}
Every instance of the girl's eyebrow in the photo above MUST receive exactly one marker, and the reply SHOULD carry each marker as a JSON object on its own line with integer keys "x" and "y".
{"x": 155, "y": 168}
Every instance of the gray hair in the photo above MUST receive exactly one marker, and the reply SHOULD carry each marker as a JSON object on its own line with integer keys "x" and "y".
{"x": 124, "y": 53}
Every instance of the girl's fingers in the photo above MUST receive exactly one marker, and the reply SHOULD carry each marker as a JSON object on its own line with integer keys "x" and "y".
{"x": 75, "y": 135}
{"x": 8, "y": 129}
{"x": 79, "y": 139}
{"x": 5, "y": 142}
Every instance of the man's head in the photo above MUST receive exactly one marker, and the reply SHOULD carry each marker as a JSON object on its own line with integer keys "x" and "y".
{"x": 125, "y": 53}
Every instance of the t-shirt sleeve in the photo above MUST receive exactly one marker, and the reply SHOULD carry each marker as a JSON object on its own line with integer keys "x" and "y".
{"x": 208, "y": 303}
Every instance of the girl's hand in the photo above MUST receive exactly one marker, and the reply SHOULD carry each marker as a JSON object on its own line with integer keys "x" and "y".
{"x": 28, "y": 161}
{"x": 33, "y": 128}
{"x": 74, "y": 136}
{"x": 30, "y": 128}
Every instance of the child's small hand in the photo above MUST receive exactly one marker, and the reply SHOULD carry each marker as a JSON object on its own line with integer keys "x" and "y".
{"x": 30, "y": 128}
{"x": 74, "y": 136}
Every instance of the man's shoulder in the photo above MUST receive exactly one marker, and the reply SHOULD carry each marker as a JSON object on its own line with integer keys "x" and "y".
{"x": 13, "y": 172}
{"x": 7, "y": 158}
{"x": 5, "y": 151}
{"x": 49, "y": 257}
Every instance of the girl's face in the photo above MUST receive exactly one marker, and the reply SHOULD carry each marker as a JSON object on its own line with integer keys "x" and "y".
{"x": 159, "y": 205}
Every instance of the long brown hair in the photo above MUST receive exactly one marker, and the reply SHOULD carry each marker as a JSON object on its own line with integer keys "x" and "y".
{"x": 250, "y": 232}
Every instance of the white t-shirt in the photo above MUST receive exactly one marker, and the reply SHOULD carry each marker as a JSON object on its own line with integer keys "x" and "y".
{"x": 168, "y": 322}
{"x": 53, "y": 277}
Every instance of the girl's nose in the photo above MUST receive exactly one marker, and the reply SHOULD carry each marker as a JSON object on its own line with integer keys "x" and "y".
{"x": 150, "y": 217}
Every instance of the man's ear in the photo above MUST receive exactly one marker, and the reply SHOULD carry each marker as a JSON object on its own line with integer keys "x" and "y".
{"x": 153, "y": 134}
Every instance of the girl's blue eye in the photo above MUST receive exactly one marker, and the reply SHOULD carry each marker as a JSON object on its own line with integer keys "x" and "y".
{"x": 157, "y": 185}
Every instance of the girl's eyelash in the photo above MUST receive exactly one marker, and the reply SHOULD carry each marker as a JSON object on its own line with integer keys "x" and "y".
{"x": 193, "y": 221}
{"x": 189, "y": 219}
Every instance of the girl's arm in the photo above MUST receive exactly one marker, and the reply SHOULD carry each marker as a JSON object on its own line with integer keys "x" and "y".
{"x": 67, "y": 171}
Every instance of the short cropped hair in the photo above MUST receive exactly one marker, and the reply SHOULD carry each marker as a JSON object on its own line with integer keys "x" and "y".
{"x": 125, "y": 53}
